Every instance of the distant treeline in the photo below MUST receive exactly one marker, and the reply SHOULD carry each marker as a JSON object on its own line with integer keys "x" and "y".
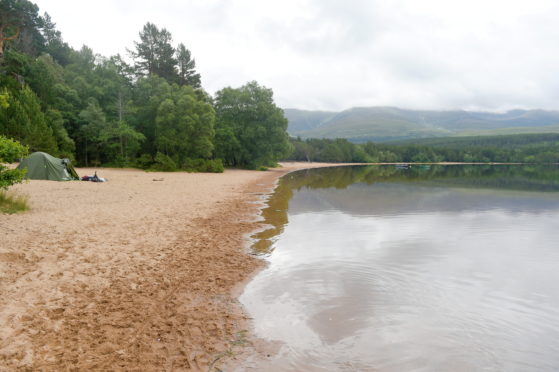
{"x": 152, "y": 113}
{"x": 521, "y": 148}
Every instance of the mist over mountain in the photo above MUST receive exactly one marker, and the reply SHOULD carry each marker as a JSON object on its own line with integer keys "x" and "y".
{"x": 382, "y": 124}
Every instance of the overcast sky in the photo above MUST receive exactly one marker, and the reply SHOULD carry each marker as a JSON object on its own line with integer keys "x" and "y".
{"x": 331, "y": 54}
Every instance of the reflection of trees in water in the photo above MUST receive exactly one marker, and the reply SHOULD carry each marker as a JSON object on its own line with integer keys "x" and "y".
{"x": 509, "y": 177}
{"x": 512, "y": 177}
{"x": 275, "y": 216}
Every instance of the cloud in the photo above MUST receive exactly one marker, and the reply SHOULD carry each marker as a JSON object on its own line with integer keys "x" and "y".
{"x": 326, "y": 54}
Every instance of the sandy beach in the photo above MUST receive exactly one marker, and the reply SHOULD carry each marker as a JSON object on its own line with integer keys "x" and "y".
{"x": 139, "y": 273}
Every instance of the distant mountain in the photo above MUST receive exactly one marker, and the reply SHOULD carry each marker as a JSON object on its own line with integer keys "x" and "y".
{"x": 383, "y": 124}
{"x": 302, "y": 120}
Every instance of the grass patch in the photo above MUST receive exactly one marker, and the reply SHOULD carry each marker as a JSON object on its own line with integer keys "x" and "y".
{"x": 12, "y": 203}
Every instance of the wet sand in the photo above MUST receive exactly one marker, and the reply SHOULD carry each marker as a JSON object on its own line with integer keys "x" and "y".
{"x": 139, "y": 273}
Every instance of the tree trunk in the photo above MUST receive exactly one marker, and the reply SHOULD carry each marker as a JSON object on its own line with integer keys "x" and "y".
{"x": 3, "y": 39}
{"x": 120, "y": 106}
{"x": 86, "y": 165}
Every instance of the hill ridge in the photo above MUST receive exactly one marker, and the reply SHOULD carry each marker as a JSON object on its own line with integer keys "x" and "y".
{"x": 388, "y": 123}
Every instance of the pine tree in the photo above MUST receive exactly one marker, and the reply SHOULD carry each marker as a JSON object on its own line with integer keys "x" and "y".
{"x": 24, "y": 121}
{"x": 187, "y": 68}
{"x": 20, "y": 24}
{"x": 154, "y": 53}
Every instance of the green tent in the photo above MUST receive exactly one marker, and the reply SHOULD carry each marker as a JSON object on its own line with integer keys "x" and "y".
{"x": 42, "y": 166}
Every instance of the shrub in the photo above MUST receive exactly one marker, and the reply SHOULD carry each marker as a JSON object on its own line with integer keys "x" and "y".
{"x": 203, "y": 165}
{"x": 12, "y": 203}
{"x": 164, "y": 163}
{"x": 214, "y": 166}
{"x": 10, "y": 151}
{"x": 145, "y": 161}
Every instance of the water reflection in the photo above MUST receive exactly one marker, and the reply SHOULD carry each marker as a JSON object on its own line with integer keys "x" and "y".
{"x": 498, "y": 186}
{"x": 377, "y": 268}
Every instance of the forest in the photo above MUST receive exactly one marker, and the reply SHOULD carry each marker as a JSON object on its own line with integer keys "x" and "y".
{"x": 515, "y": 148}
{"x": 151, "y": 113}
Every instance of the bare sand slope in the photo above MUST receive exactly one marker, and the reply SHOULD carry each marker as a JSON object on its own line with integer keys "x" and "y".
{"x": 133, "y": 274}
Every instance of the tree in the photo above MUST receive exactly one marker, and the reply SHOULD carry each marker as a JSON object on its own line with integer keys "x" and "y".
{"x": 148, "y": 94}
{"x": 54, "y": 45}
{"x": 10, "y": 24}
{"x": 187, "y": 68}
{"x": 10, "y": 151}
{"x": 119, "y": 142}
{"x": 252, "y": 130}
{"x": 123, "y": 69}
{"x": 24, "y": 121}
{"x": 19, "y": 22}
{"x": 42, "y": 75}
{"x": 66, "y": 145}
{"x": 154, "y": 53}
{"x": 94, "y": 122}
{"x": 113, "y": 86}
{"x": 185, "y": 126}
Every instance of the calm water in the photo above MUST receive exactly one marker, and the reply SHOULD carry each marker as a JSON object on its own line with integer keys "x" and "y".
{"x": 426, "y": 269}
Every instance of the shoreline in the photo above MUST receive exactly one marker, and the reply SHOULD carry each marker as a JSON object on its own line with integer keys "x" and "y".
{"x": 249, "y": 348}
{"x": 131, "y": 274}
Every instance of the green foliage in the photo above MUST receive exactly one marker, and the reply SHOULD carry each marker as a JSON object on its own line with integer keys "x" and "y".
{"x": 175, "y": 120}
{"x": 186, "y": 65}
{"x": 43, "y": 75}
{"x": 144, "y": 161}
{"x": 329, "y": 150}
{"x": 203, "y": 165}
{"x": 12, "y": 203}
{"x": 533, "y": 148}
{"x": 119, "y": 142}
{"x": 97, "y": 110}
{"x": 147, "y": 96}
{"x": 66, "y": 145}
{"x": 251, "y": 129}
{"x": 94, "y": 122}
{"x": 20, "y": 26}
{"x": 528, "y": 148}
{"x": 155, "y": 56}
{"x": 54, "y": 45}
{"x": 184, "y": 125}
{"x": 4, "y": 99}
{"x": 504, "y": 177}
{"x": 498, "y": 141}
{"x": 24, "y": 121}
{"x": 163, "y": 163}
{"x": 154, "y": 53}
{"x": 10, "y": 151}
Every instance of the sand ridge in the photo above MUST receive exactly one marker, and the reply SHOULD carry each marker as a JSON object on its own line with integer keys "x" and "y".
{"x": 133, "y": 274}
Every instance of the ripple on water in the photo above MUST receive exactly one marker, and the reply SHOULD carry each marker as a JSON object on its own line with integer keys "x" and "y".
{"x": 412, "y": 278}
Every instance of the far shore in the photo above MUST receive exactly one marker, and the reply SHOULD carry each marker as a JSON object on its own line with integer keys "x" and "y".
{"x": 138, "y": 273}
